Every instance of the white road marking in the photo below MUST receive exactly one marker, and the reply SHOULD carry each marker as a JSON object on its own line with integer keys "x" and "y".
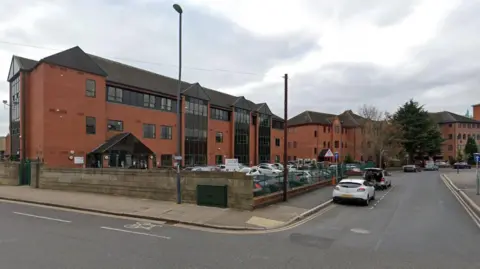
{"x": 41, "y": 217}
{"x": 381, "y": 198}
{"x": 141, "y": 225}
{"x": 132, "y": 232}
{"x": 360, "y": 231}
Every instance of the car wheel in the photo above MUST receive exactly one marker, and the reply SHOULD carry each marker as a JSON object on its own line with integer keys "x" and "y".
{"x": 367, "y": 202}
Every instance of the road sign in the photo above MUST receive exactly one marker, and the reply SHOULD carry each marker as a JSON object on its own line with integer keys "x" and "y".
{"x": 329, "y": 153}
{"x": 477, "y": 158}
{"x": 336, "y": 155}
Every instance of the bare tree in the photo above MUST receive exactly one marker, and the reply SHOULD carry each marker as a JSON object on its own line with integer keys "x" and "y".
{"x": 378, "y": 137}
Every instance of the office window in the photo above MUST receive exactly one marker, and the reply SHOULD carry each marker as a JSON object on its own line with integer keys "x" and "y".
{"x": 91, "y": 125}
{"x": 324, "y": 144}
{"x": 114, "y": 94}
{"x": 324, "y": 129}
{"x": 464, "y": 136}
{"x": 115, "y": 125}
{"x": 165, "y": 132}
{"x": 218, "y": 159}
{"x": 315, "y": 151}
{"x": 277, "y": 142}
{"x": 450, "y": 136}
{"x": 294, "y": 144}
{"x": 166, "y": 160}
{"x": 277, "y": 125}
{"x": 148, "y": 130}
{"x": 277, "y": 158}
{"x": 166, "y": 104}
{"x": 90, "y": 88}
{"x": 219, "y": 114}
{"x": 336, "y": 144}
{"x": 219, "y": 137}
{"x": 315, "y": 133}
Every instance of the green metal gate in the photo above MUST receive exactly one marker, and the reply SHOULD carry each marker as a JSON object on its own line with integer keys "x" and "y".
{"x": 24, "y": 173}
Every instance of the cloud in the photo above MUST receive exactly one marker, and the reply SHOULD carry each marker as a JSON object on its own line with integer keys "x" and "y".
{"x": 339, "y": 54}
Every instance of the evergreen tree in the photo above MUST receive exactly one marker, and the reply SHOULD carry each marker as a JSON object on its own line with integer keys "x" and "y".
{"x": 418, "y": 134}
{"x": 470, "y": 150}
{"x": 348, "y": 158}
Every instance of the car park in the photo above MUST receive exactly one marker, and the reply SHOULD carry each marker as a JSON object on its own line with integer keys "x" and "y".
{"x": 378, "y": 177}
{"x": 354, "y": 190}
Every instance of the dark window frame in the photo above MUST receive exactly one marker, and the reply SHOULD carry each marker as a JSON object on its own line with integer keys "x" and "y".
{"x": 166, "y": 132}
{"x": 112, "y": 123}
{"x": 90, "y": 125}
{"x": 218, "y": 137}
{"x": 90, "y": 88}
{"x": 149, "y": 133}
{"x": 277, "y": 142}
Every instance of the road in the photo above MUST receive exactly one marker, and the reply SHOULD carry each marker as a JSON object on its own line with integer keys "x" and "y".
{"x": 416, "y": 224}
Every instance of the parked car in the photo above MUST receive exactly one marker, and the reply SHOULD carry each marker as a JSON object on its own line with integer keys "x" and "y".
{"x": 354, "y": 190}
{"x": 442, "y": 164}
{"x": 411, "y": 168}
{"x": 269, "y": 169}
{"x": 431, "y": 167}
{"x": 461, "y": 165}
{"x": 378, "y": 177}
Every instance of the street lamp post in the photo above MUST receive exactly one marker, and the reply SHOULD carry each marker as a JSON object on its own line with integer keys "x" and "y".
{"x": 178, "y": 158}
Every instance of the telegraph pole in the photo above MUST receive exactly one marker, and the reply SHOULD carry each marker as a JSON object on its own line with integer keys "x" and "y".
{"x": 285, "y": 140}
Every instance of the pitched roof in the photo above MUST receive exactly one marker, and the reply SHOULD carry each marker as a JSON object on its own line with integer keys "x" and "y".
{"x": 25, "y": 63}
{"x": 449, "y": 117}
{"x": 122, "y": 74}
{"x": 348, "y": 118}
{"x": 75, "y": 58}
{"x": 116, "y": 139}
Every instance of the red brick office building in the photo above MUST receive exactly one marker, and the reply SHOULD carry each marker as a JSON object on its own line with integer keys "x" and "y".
{"x": 74, "y": 107}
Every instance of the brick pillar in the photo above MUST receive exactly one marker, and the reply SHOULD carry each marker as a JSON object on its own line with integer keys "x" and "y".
{"x": 105, "y": 161}
{"x": 150, "y": 162}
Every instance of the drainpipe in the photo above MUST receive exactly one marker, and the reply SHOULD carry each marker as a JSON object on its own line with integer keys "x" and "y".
{"x": 23, "y": 125}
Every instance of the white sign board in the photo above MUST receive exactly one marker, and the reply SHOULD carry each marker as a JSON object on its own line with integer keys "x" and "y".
{"x": 78, "y": 160}
{"x": 329, "y": 153}
{"x": 231, "y": 164}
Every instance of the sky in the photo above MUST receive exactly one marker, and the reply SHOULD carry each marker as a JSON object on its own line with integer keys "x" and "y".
{"x": 338, "y": 54}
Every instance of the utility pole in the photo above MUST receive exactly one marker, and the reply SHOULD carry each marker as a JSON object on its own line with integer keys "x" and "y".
{"x": 285, "y": 140}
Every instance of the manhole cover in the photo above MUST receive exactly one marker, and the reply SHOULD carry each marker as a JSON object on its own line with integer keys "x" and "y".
{"x": 359, "y": 231}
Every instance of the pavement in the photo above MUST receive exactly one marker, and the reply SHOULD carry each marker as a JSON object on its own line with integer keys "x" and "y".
{"x": 465, "y": 182}
{"x": 273, "y": 216}
{"x": 417, "y": 223}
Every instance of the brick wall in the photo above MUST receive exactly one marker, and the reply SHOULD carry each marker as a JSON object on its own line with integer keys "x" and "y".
{"x": 148, "y": 184}
{"x": 9, "y": 173}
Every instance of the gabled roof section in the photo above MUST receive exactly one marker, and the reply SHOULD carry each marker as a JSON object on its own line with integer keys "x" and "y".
{"x": 263, "y": 108}
{"x": 19, "y": 64}
{"x": 243, "y": 103}
{"x": 311, "y": 117}
{"x": 75, "y": 58}
{"x": 196, "y": 91}
{"x": 350, "y": 119}
{"x": 449, "y": 117}
{"x": 116, "y": 139}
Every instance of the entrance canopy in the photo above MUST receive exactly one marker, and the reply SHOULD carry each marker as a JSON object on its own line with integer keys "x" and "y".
{"x": 125, "y": 142}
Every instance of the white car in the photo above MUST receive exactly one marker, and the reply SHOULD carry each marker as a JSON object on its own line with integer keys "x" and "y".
{"x": 268, "y": 169}
{"x": 354, "y": 190}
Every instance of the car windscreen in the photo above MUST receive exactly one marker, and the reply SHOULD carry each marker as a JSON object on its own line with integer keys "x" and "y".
{"x": 350, "y": 185}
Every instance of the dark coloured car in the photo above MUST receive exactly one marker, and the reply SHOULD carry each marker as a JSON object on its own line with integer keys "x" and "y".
{"x": 461, "y": 165}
